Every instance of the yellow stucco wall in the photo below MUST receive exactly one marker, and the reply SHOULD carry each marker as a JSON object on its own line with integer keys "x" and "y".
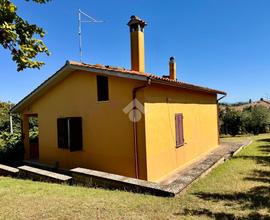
{"x": 137, "y": 51}
{"x": 200, "y": 128}
{"x": 107, "y": 131}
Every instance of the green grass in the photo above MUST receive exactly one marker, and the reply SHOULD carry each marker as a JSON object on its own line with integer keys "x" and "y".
{"x": 237, "y": 189}
{"x": 237, "y": 138}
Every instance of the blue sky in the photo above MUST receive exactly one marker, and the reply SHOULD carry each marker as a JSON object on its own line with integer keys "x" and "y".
{"x": 222, "y": 44}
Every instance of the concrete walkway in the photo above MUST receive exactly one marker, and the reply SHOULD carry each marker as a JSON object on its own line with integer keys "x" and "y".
{"x": 179, "y": 181}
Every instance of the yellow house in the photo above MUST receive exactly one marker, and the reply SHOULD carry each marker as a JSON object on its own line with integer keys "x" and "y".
{"x": 121, "y": 121}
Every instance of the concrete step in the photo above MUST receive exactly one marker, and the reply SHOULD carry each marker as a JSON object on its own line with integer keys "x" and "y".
{"x": 8, "y": 171}
{"x": 49, "y": 167}
{"x": 94, "y": 178}
{"x": 33, "y": 173}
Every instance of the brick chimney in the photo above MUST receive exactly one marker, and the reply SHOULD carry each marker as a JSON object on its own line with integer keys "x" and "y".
{"x": 136, "y": 26}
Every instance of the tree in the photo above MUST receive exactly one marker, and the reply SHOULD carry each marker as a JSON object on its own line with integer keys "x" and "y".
{"x": 18, "y": 36}
{"x": 256, "y": 119}
{"x": 4, "y": 118}
{"x": 230, "y": 121}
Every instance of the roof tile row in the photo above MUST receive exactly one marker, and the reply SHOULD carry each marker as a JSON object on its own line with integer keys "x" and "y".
{"x": 170, "y": 82}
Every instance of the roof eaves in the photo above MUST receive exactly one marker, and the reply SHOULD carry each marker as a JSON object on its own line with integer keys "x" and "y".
{"x": 267, "y": 102}
{"x": 71, "y": 66}
{"x": 109, "y": 72}
{"x": 187, "y": 86}
{"x": 141, "y": 76}
{"x": 52, "y": 80}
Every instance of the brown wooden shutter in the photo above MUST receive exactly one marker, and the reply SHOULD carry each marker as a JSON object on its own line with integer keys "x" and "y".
{"x": 179, "y": 131}
{"x": 62, "y": 133}
{"x": 75, "y": 134}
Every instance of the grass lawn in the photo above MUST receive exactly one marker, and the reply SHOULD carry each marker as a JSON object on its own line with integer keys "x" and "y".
{"x": 237, "y": 138}
{"x": 237, "y": 189}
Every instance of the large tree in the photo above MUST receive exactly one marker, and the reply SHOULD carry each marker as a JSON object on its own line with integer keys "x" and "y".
{"x": 256, "y": 119}
{"x": 230, "y": 121}
{"x": 22, "y": 39}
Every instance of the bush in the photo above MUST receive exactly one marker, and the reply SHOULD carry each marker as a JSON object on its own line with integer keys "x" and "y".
{"x": 253, "y": 120}
{"x": 256, "y": 119}
{"x": 11, "y": 148}
{"x": 33, "y": 135}
{"x": 230, "y": 121}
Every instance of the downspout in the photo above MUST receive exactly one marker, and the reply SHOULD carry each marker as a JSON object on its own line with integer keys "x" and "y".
{"x": 134, "y": 123}
{"x": 218, "y": 116}
{"x": 221, "y": 98}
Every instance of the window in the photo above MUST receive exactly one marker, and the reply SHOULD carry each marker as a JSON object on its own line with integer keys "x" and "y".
{"x": 69, "y": 131}
{"x": 102, "y": 88}
{"x": 62, "y": 132}
{"x": 179, "y": 130}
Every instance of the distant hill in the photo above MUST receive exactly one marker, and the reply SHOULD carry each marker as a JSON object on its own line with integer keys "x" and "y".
{"x": 242, "y": 105}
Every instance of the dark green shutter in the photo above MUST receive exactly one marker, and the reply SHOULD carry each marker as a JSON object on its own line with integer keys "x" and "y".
{"x": 75, "y": 134}
{"x": 102, "y": 88}
{"x": 62, "y": 133}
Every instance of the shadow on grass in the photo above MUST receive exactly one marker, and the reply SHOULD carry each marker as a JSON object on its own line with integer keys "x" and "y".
{"x": 259, "y": 176}
{"x": 223, "y": 215}
{"x": 264, "y": 140}
{"x": 254, "y": 199}
{"x": 265, "y": 149}
{"x": 263, "y": 159}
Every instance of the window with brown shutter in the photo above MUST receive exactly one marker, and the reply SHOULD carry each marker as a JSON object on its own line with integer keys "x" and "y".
{"x": 102, "y": 88}
{"x": 69, "y": 131}
{"x": 179, "y": 131}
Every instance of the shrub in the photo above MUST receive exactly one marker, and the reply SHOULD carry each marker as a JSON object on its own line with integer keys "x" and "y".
{"x": 33, "y": 135}
{"x": 230, "y": 121}
{"x": 253, "y": 120}
{"x": 11, "y": 148}
{"x": 256, "y": 119}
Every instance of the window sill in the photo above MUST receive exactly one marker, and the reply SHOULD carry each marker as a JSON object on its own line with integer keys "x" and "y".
{"x": 101, "y": 102}
{"x": 67, "y": 149}
{"x": 178, "y": 146}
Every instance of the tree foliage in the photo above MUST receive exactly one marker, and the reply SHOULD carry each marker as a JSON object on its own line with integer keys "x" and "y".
{"x": 11, "y": 147}
{"x": 230, "y": 121}
{"x": 253, "y": 120}
{"x": 256, "y": 119}
{"x": 4, "y": 116}
{"x": 19, "y": 37}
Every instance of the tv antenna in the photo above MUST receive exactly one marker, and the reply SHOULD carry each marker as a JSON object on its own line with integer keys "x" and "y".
{"x": 87, "y": 19}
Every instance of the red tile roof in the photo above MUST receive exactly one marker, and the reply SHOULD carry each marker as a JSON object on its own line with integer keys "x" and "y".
{"x": 168, "y": 81}
{"x": 73, "y": 65}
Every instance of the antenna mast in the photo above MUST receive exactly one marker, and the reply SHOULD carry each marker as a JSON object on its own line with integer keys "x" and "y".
{"x": 89, "y": 20}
